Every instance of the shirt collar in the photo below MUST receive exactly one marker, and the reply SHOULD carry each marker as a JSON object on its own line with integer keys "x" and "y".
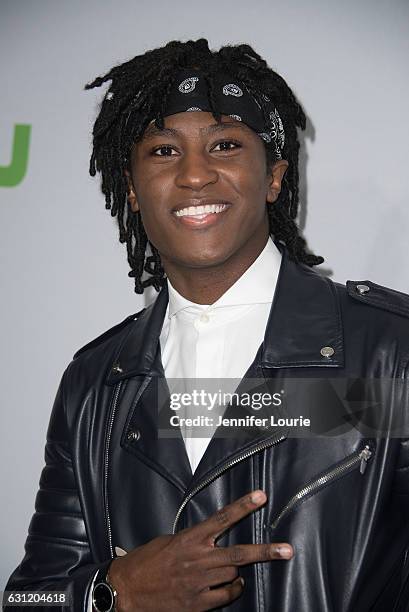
{"x": 255, "y": 286}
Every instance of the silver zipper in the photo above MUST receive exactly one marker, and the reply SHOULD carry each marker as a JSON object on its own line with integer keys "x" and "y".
{"x": 106, "y": 464}
{"x": 220, "y": 471}
{"x": 359, "y": 457}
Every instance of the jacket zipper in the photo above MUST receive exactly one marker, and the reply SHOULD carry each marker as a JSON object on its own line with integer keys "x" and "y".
{"x": 106, "y": 466}
{"x": 223, "y": 468}
{"x": 360, "y": 458}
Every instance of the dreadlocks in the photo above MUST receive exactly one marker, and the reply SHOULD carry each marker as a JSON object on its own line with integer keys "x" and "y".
{"x": 139, "y": 90}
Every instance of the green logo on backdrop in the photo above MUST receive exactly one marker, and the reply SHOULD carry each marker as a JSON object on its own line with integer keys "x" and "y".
{"x": 13, "y": 174}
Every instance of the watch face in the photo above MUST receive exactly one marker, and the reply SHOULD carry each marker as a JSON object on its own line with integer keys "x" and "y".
{"x": 103, "y": 598}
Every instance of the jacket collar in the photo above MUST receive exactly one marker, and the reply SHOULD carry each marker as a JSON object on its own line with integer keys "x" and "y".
{"x": 304, "y": 318}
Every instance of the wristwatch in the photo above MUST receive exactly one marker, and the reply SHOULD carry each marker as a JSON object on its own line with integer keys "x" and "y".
{"x": 103, "y": 593}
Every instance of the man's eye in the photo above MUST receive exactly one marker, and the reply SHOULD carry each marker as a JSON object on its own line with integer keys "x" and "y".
{"x": 227, "y": 145}
{"x": 165, "y": 151}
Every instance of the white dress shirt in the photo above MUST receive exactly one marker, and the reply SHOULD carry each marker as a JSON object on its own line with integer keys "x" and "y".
{"x": 217, "y": 341}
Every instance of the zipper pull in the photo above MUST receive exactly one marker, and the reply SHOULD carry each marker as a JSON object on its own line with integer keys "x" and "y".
{"x": 364, "y": 456}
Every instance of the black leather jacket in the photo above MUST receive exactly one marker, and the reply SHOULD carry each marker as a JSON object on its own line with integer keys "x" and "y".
{"x": 108, "y": 481}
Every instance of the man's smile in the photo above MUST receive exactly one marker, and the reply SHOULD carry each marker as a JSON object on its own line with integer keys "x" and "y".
{"x": 200, "y": 212}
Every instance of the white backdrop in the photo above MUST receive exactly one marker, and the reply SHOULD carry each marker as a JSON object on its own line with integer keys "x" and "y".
{"x": 64, "y": 273}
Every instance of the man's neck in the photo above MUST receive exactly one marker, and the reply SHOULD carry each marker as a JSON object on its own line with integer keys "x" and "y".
{"x": 207, "y": 285}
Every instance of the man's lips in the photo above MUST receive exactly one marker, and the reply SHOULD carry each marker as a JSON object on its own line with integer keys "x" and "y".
{"x": 200, "y": 212}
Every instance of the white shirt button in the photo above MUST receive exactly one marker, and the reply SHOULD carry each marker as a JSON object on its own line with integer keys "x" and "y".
{"x": 204, "y": 318}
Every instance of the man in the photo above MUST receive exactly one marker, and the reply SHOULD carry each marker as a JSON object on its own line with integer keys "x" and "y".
{"x": 198, "y": 152}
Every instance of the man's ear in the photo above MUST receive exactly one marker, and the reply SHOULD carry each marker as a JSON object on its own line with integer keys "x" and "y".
{"x": 275, "y": 178}
{"x": 131, "y": 192}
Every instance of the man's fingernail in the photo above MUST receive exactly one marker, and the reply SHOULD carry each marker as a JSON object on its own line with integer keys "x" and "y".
{"x": 285, "y": 551}
{"x": 257, "y": 497}
{"x": 241, "y": 581}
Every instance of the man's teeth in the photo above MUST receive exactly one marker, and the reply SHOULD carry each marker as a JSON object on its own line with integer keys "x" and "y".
{"x": 194, "y": 211}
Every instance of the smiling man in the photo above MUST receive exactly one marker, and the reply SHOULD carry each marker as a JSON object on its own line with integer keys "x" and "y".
{"x": 198, "y": 152}
{"x": 202, "y": 199}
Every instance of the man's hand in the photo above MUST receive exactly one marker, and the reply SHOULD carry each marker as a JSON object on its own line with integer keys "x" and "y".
{"x": 174, "y": 573}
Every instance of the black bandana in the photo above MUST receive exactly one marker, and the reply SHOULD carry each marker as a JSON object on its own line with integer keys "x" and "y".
{"x": 190, "y": 93}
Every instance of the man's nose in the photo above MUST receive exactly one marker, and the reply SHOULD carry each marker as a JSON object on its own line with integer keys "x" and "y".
{"x": 196, "y": 170}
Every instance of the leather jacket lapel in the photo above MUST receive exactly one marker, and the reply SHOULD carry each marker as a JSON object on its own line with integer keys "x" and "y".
{"x": 142, "y": 435}
{"x": 137, "y": 355}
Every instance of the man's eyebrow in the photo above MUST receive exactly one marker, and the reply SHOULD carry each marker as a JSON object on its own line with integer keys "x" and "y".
{"x": 152, "y": 130}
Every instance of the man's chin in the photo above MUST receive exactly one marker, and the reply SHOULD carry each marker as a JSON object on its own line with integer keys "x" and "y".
{"x": 203, "y": 260}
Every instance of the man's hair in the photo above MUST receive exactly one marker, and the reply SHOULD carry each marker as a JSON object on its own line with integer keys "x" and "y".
{"x": 139, "y": 91}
